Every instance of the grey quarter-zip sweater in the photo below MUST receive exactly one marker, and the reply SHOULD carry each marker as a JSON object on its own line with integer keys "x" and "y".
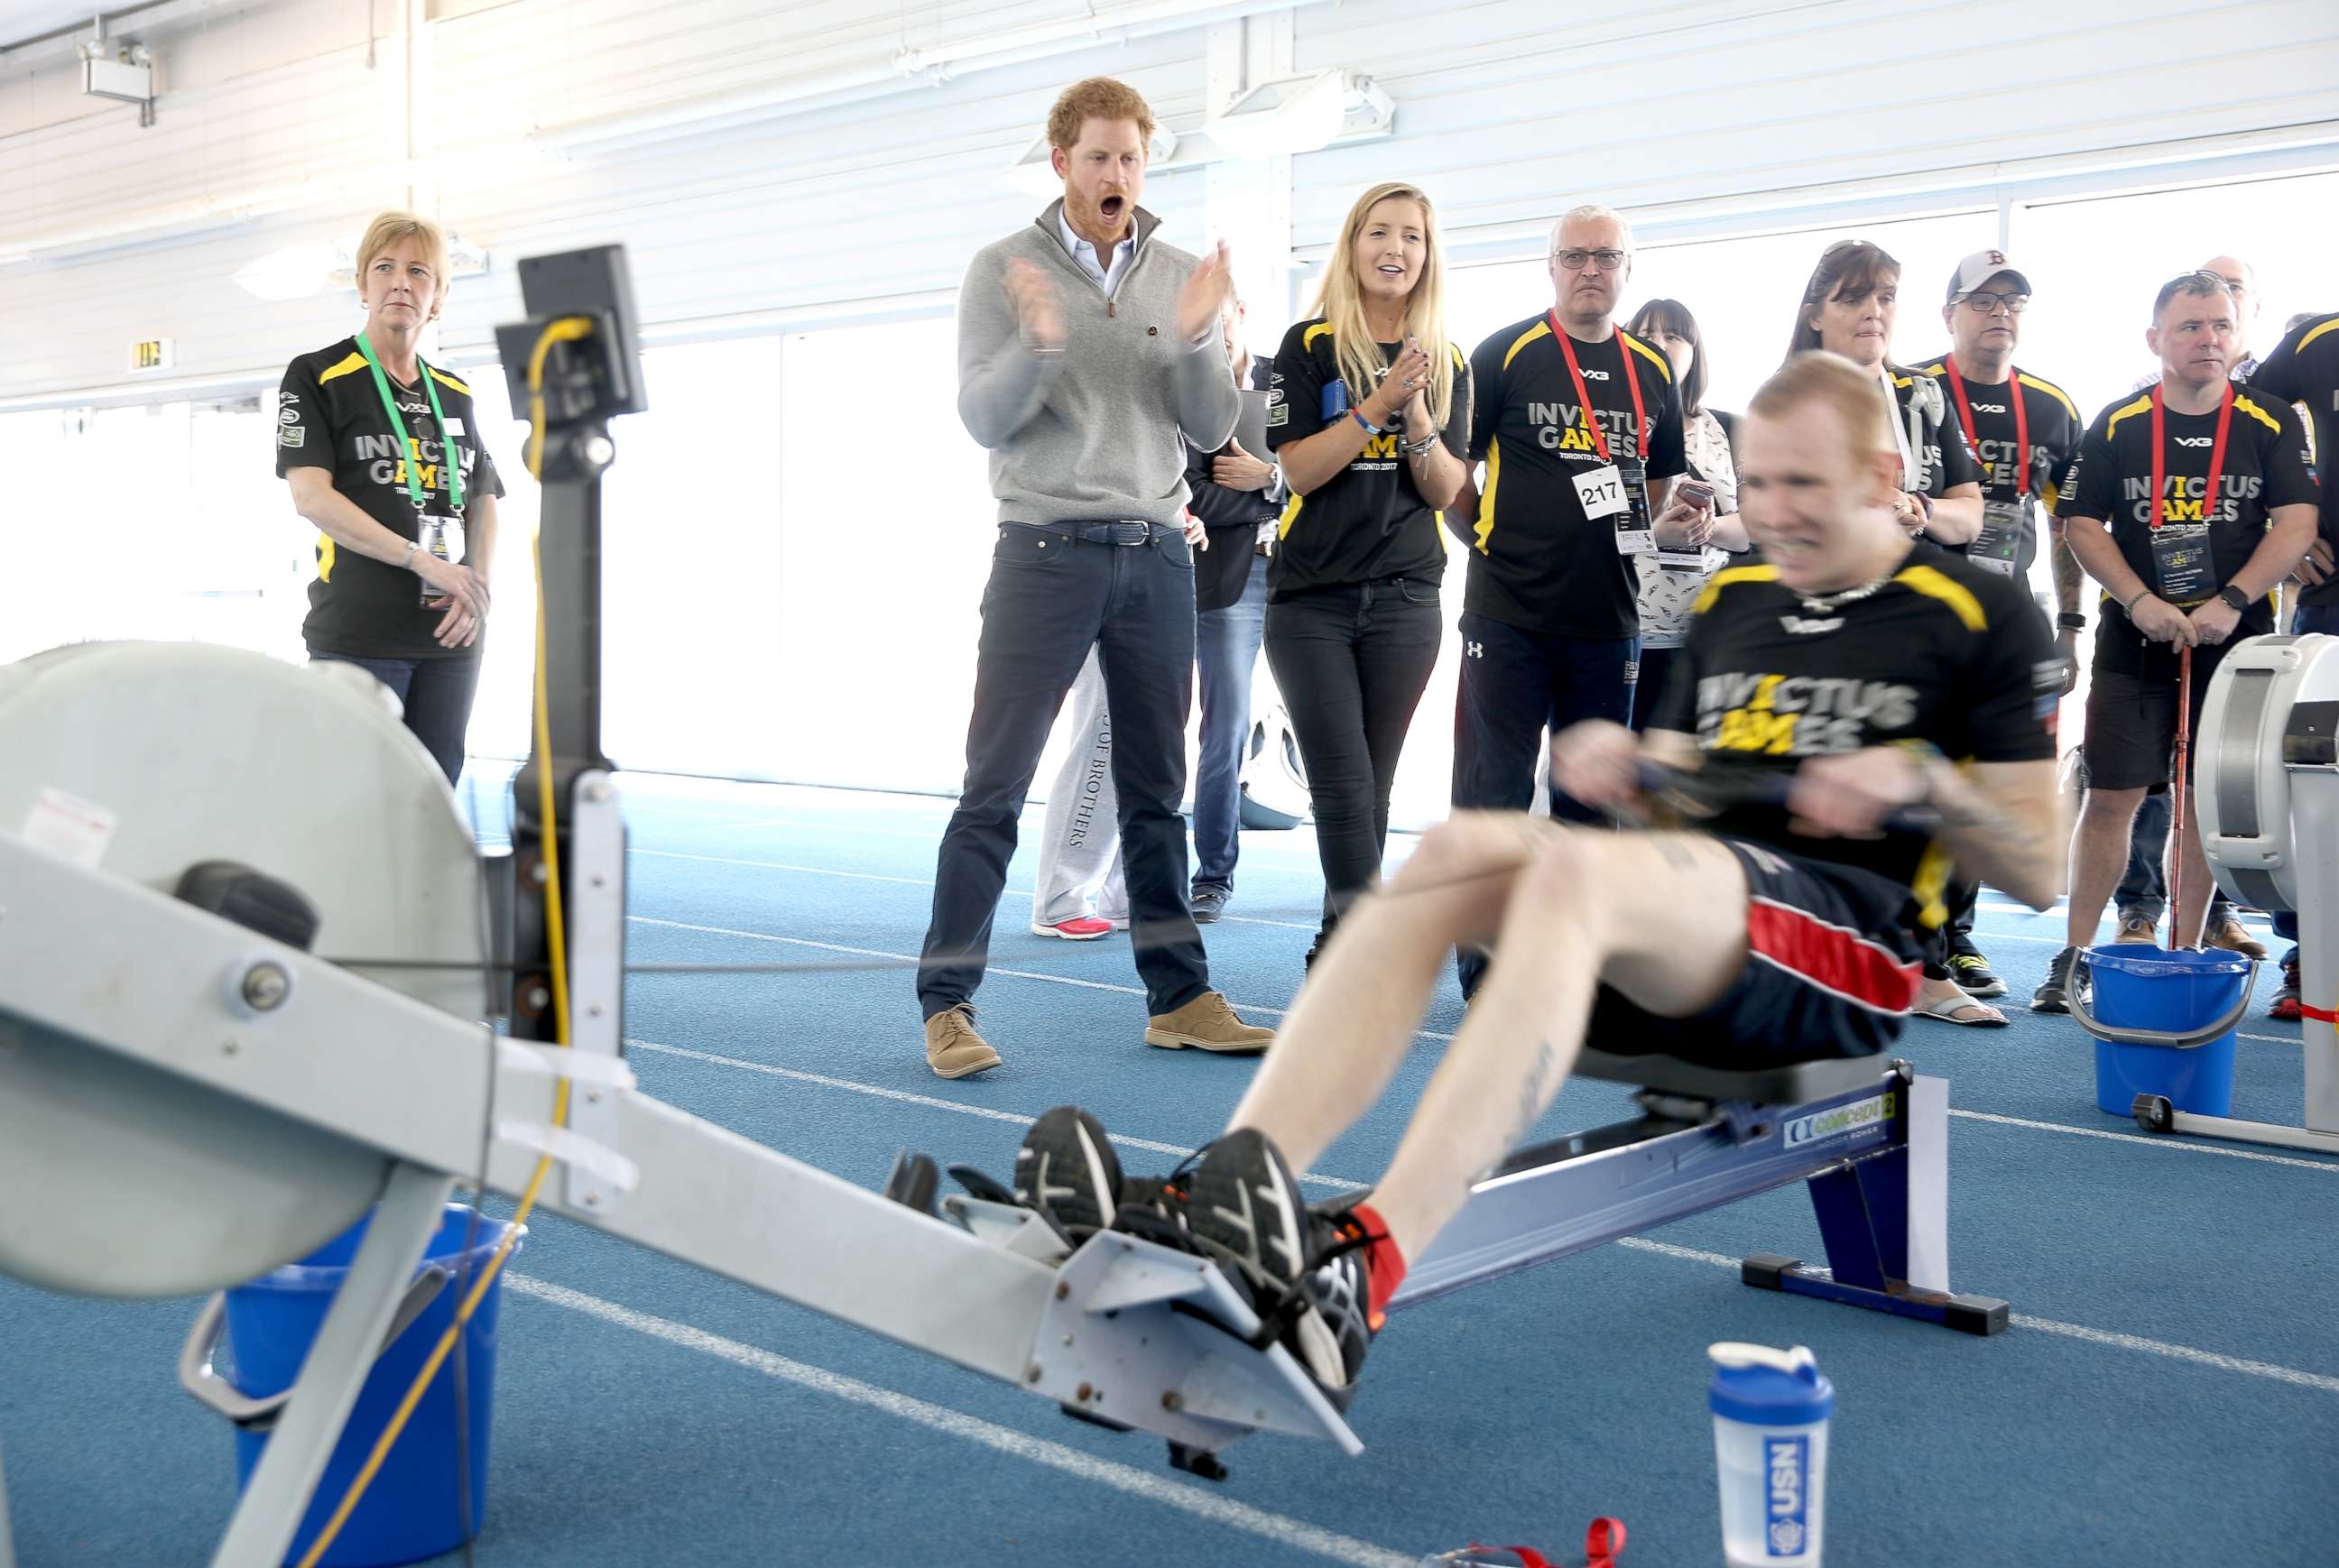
{"x": 1099, "y": 432}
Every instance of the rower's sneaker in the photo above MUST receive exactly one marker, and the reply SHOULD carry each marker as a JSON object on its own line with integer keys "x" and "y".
{"x": 1067, "y": 1173}
{"x": 1310, "y": 1271}
{"x": 2285, "y": 1001}
{"x": 2053, "y": 994}
{"x": 1971, "y": 970}
{"x": 2134, "y": 929}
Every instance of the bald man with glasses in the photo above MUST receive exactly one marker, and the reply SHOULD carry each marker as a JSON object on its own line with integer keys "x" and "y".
{"x": 1579, "y": 426}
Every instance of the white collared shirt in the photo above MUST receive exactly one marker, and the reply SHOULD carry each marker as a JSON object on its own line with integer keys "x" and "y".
{"x": 1104, "y": 277}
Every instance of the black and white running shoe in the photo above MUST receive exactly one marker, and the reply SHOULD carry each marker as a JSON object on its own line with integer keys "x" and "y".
{"x": 1303, "y": 1268}
{"x": 1067, "y": 1173}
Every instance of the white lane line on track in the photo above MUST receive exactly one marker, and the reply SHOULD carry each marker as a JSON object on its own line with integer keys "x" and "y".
{"x": 2187, "y": 1352}
{"x": 1209, "y": 1507}
{"x": 911, "y": 881}
{"x": 2181, "y": 1145}
{"x": 933, "y": 1102}
{"x": 1641, "y": 1243}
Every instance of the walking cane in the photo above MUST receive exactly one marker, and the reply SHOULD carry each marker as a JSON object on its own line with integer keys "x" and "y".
{"x": 2181, "y": 788}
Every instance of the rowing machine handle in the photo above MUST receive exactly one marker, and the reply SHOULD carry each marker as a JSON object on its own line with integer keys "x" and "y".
{"x": 1707, "y": 792}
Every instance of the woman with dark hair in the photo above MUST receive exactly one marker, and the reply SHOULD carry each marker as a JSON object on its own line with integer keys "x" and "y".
{"x": 1671, "y": 580}
{"x": 1847, "y": 309}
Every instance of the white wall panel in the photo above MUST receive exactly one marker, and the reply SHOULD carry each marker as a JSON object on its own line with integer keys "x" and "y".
{"x": 1510, "y": 111}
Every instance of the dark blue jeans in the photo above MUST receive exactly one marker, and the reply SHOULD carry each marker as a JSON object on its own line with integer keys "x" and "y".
{"x": 1516, "y": 686}
{"x": 1352, "y": 662}
{"x": 1226, "y": 650}
{"x": 1050, "y": 598}
{"x": 436, "y": 695}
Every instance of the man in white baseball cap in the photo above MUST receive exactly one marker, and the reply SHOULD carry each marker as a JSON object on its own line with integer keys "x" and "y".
{"x": 2024, "y": 430}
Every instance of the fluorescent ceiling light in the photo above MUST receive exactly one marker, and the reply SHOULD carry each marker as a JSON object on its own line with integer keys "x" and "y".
{"x": 1303, "y": 114}
{"x": 294, "y": 273}
{"x": 1034, "y": 174}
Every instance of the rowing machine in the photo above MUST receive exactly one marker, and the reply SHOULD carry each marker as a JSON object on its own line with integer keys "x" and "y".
{"x": 2265, "y": 783}
{"x": 1871, "y": 1139}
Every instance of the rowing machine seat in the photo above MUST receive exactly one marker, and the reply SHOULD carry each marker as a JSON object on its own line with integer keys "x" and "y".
{"x": 1772, "y": 1083}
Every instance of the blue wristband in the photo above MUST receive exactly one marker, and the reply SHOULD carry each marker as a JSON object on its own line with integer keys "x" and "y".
{"x": 1367, "y": 424}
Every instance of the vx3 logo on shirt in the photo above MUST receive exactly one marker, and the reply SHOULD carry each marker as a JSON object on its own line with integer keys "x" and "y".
{"x": 1989, "y": 408}
{"x": 2193, "y": 440}
{"x": 1804, "y": 626}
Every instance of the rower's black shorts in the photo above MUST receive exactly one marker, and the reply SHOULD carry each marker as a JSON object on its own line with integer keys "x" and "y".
{"x": 2131, "y": 737}
{"x": 1831, "y": 970}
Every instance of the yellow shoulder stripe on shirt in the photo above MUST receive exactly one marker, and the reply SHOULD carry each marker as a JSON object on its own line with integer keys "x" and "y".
{"x": 1664, "y": 366}
{"x": 354, "y": 363}
{"x": 2242, "y": 405}
{"x": 1903, "y": 380}
{"x": 1320, "y": 330}
{"x": 1459, "y": 362}
{"x": 1727, "y": 575}
{"x": 2330, "y": 326}
{"x": 1290, "y": 516}
{"x": 1540, "y": 330}
{"x": 444, "y": 379}
{"x": 2051, "y": 390}
{"x": 1486, "y": 526}
{"x": 1931, "y": 582}
{"x": 2137, "y": 406}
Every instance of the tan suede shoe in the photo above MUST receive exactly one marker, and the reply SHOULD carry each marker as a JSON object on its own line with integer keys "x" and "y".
{"x": 1207, "y": 1023}
{"x": 2234, "y": 937}
{"x": 952, "y": 1048}
{"x": 2137, "y": 929}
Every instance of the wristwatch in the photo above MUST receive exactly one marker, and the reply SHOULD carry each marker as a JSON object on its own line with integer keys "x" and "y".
{"x": 2233, "y": 596}
{"x": 2071, "y": 621}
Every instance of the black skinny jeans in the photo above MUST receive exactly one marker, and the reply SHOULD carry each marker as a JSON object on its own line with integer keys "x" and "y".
{"x": 1352, "y": 662}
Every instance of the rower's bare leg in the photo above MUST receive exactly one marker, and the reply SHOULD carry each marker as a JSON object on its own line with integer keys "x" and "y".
{"x": 1574, "y": 907}
{"x": 1660, "y": 917}
{"x": 1357, "y": 1014}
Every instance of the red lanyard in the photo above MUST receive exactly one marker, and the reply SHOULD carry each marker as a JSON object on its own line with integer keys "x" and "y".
{"x": 1584, "y": 396}
{"x": 2021, "y": 421}
{"x": 2217, "y": 456}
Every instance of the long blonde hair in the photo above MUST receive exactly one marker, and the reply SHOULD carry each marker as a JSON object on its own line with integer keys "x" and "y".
{"x": 1341, "y": 304}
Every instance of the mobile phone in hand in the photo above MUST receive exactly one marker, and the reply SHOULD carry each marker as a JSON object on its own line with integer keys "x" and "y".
{"x": 1694, "y": 493}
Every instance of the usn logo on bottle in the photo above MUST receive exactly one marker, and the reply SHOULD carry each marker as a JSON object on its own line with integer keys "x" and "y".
{"x": 1786, "y": 1510}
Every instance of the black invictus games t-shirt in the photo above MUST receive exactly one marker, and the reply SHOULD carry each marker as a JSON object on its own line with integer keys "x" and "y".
{"x": 1536, "y": 561}
{"x": 2111, "y": 481}
{"x": 1943, "y": 651}
{"x": 1941, "y": 459}
{"x": 1994, "y": 421}
{"x": 2306, "y": 370}
{"x": 1368, "y": 521}
{"x": 329, "y": 416}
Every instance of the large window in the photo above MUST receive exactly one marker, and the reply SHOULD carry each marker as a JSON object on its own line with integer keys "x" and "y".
{"x": 797, "y": 533}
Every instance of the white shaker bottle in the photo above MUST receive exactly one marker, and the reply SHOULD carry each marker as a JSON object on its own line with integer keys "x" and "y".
{"x": 1771, "y": 1410}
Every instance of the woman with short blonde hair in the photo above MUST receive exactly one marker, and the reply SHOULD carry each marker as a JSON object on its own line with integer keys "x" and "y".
{"x": 383, "y": 456}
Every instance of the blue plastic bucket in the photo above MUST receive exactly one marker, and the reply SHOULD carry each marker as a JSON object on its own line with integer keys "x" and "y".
{"x": 2139, "y": 987}
{"x": 413, "y": 1509}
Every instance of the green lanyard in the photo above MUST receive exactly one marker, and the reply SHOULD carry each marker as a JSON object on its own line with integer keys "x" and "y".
{"x": 410, "y": 458}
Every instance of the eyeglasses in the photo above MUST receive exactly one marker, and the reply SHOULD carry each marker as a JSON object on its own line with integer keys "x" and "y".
{"x": 2235, "y": 284}
{"x": 1606, "y": 260}
{"x": 1988, "y": 301}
